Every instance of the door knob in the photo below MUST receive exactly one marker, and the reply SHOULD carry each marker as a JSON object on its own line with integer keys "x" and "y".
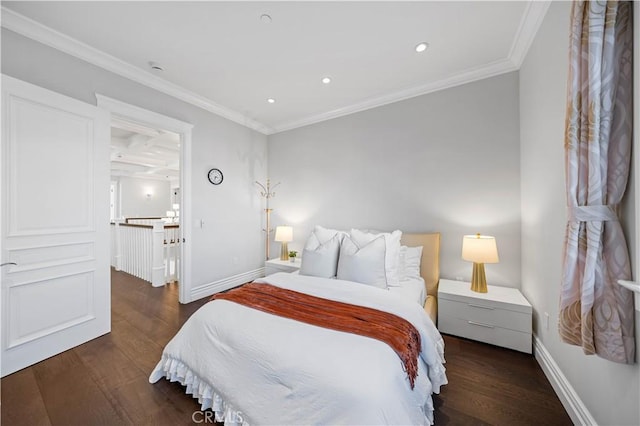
{"x": 8, "y": 263}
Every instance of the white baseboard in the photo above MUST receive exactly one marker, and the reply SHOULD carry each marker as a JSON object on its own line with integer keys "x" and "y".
{"x": 225, "y": 284}
{"x": 576, "y": 409}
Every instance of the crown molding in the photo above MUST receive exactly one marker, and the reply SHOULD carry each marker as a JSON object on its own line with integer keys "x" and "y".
{"x": 468, "y": 76}
{"x": 529, "y": 25}
{"x": 34, "y": 30}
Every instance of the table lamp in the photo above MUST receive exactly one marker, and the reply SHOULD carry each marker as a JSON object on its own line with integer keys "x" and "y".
{"x": 479, "y": 249}
{"x": 284, "y": 234}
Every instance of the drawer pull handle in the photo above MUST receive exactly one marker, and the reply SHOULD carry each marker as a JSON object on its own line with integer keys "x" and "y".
{"x": 480, "y": 306}
{"x": 480, "y": 324}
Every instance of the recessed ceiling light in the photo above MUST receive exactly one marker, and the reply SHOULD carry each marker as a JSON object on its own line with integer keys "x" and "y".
{"x": 326, "y": 80}
{"x": 271, "y": 101}
{"x": 422, "y": 47}
{"x": 155, "y": 66}
{"x": 265, "y": 19}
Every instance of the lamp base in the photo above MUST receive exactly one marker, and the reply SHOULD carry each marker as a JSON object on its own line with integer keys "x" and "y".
{"x": 478, "y": 278}
{"x": 284, "y": 251}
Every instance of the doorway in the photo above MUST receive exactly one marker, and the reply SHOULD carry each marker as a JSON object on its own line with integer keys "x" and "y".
{"x": 135, "y": 127}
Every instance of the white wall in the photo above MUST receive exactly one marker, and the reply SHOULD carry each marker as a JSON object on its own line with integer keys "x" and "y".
{"x": 463, "y": 160}
{"x": 231, "y": 241}
{"x": 447, "y": 161}
{"x": 609, "y": 391}
{"x": 134, "y": 201}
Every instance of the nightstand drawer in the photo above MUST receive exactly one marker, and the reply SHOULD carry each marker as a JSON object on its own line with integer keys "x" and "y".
{"x": 270, "y": 269}
{"x": 502, "y": 316}
{"x": 481, "y": 312}
{"x": 276, "y": 265}
{"x": 487, "y": 333}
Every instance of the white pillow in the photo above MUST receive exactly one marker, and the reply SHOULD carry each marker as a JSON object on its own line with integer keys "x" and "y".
{"x": 392, "y": 251}
{"x": 409, "y": 265}
{"x": 363, "y": 263}
{"x": 321, "y": 252}
{"x": 322, "y": 261}
{"x": 321, "y": 235}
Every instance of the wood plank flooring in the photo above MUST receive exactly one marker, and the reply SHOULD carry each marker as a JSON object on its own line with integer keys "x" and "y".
{"x": 105, "y": 381}
{"x": 489, "y": 385}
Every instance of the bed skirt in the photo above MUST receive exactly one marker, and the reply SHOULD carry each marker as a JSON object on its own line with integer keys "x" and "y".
{"x": 176, "y": 371}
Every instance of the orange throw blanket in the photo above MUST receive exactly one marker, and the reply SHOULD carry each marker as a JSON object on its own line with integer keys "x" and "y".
{"x": 396, "y": 332}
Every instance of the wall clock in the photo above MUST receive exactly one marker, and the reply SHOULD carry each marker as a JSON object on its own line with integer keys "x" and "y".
{"x": 215, "y": 176}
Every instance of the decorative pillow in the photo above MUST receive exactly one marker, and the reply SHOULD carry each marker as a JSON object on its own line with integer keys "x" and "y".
{"x": 321, "y": 252}
{"x": 363, "y": 263}
{"x": 409, "y": 265}
{"x": 321, "y": 261}
{"x": 321, "y": 235}
{"x": 392, "y": 253}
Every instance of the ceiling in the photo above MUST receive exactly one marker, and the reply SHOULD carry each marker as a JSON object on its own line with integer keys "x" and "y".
{"x": 222, "y": 56}
{"x": 137, "y": 151}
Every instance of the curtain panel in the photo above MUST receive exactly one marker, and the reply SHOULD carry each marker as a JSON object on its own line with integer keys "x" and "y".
{"x": 595, "y": 312}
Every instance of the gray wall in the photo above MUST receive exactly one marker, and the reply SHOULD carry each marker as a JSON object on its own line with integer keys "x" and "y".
{"x": 134, "y": 201}
{"x": 231, "y": 240}
{"x": 609, "y": 390}
{"x": 447, "y": 161}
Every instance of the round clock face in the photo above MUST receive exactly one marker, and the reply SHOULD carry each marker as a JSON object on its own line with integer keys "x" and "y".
{"x": 215, "y": 176}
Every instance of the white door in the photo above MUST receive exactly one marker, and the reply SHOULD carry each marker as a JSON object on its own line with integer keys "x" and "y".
{"x": 55, "y": 224}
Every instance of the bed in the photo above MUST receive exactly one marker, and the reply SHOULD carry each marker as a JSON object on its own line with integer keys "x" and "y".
{"x": 251, "y": 367}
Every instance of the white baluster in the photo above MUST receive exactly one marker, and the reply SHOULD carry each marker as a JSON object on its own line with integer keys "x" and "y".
{"x": 135, "y": 252}
{"x": 167, "y": 255}
{"x": 145, "y": 250}
{"x": 178, "y": 250}
{"x": 132, "y": 251}
{"x": 144, "y": 254}
{"x": 141, "y": 254}
{"x": 140, "y": 243}
{"x": 125, "y": 249}
{"x": 118, "y": 245}
{"x": 138, "y": 251}
{"x": 157, "y": 278}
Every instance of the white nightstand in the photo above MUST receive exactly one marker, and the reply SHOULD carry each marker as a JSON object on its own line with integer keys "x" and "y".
{"x": 276, "y": 265}
{"x": 502, "y": 316}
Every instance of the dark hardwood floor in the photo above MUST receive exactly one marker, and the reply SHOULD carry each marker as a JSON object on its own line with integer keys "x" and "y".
{"x": 105, "y": 381}
{"x": 495, "y": 386}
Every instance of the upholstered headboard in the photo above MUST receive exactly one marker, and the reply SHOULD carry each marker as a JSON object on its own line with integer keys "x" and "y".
{"x": 429, "y": 266}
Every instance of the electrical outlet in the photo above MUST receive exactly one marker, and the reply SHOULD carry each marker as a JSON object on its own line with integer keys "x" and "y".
{"x": 458, "y": 278}
{"x": 546, "y": 320}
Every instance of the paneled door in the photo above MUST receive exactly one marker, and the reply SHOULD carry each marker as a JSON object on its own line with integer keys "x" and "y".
{"x": 55, "y": 224}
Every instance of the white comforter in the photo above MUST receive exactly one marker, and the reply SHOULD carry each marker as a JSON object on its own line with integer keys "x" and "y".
{"x": 257, "y": 368}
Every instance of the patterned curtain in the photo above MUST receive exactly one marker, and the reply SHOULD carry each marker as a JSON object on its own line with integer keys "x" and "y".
{"x": 595, "y": 312}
